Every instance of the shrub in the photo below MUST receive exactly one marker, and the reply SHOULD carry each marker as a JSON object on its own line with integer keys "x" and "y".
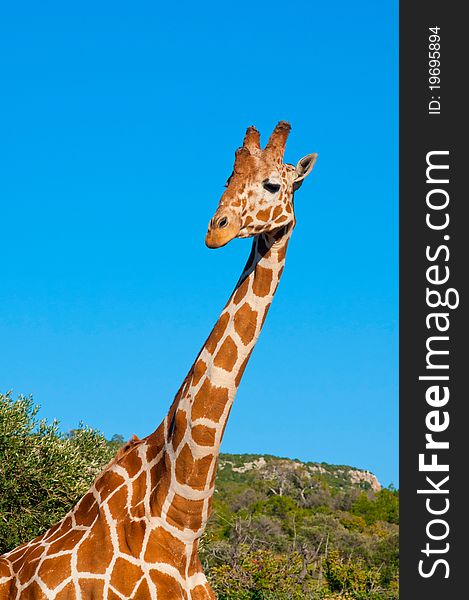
{"x": 350, "y": 576}
{"x": 263, "y": 575}
{"x": 43, "y": 472}
{"x": 383, "y": 506}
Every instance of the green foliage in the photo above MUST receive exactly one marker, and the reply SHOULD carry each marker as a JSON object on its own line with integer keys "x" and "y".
{"x": 353, "y": 523}
{"x": 276, "y": 506}
{"x": 43, "y": 473}
{"x": 262, "y": 574}
{"x": 350, "y": 575}
{"x": 280, "y": 529}
{"x": 384, "y": 506}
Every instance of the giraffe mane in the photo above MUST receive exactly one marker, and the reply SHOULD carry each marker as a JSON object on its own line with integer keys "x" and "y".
{"x": 123, "y": 451}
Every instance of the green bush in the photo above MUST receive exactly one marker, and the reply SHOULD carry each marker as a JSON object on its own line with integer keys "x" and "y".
{"x": 262, "y": 575}
{"x": 43, "y": 472}
{"x": 384, "y": 506}
{"x": 350, "y": 575}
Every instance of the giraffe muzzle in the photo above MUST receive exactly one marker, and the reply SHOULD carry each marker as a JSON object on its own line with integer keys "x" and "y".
{"x": 221, "y": 230}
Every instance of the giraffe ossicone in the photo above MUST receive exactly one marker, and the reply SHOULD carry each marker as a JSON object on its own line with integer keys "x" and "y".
{"x": 135, "y": 534}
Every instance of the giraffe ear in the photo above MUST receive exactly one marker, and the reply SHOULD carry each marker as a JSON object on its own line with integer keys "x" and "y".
{"x": 303, "y": 169}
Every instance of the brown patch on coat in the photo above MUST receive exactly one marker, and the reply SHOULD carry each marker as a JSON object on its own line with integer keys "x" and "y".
{"x": 227, "y": 355}
{"x": 62, "y": 528}
{"x": 132, "y": 463}
{"x": 160, "y": 492}
{"x": 192, "y": 471}
{"x": 127, "y": 447}
{"x": 217, "y": 333}
{"x": 195, "y": 565}
{"x": 50, "y": 532}
{"x": 277, "y": 211}
{"x": 164, "y": 547}
{"x": 107, "y": 483}
{"x": 167, "y": 588}
{"x": 209, "y": 402}
{"x": 202, "y": 592}
{"x": 245, "y": 322}
{"x": 124, "y": 576}
{"x": 4, "y": 568}
{"x": 34, "y": 592}
{"x": 8, "y": 588}
{"x": 180, "y": 424}
{"x": 156, "y": 473}
{"x": 87, "y": 510}
{"x": 264, "y": 215}
{"x": 54, "y": 570}
{"x": 262, "y": 281}
{"x": 91, "y": 588}
{"x": 95, "y": 553}
{"x": 155, "y": 442}
{"x": 241, "y": 291}
{"x": 185, "y": 513}
{"x": 199, "y": 369}
{"x": 15, "y": 555}
{"x": 68, "y": 593}
{"x": 203, "y": 435}
{"x": 142, "y": 592}
{"x": 131, "y": 535}
{"x": 27, "y": 555}
{"x": 118, "y": 503}
{"x": 139, "y": 490}
{"x": 67, "y": 542}
{"x": 27, "y": 570}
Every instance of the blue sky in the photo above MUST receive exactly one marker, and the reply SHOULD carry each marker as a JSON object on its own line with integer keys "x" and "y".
{"x": 119, "y": 123}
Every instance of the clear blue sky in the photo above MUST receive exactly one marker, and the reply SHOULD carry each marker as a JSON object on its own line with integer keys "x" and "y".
{"x": 118, "y": 125}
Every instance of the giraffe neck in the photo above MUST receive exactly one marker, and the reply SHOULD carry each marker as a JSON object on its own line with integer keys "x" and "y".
{"x": 194, "y": 426}
{"x": 231, "y": 342}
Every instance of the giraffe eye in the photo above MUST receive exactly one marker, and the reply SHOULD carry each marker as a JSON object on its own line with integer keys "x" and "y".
{"x": 273, "y": 188}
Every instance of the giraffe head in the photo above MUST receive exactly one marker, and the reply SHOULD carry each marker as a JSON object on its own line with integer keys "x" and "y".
{"x": 259, "y": 192}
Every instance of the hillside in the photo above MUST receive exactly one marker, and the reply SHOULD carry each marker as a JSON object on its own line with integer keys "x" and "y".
{"x": 282, "y": 528}
{"x": 250, "y": 467}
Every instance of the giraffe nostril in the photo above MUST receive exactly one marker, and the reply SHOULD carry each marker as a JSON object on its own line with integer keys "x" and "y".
{"x": 223, "y": 222}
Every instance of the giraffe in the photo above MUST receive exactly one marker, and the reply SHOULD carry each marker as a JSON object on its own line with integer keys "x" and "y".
{"x": 135, "y": 534}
